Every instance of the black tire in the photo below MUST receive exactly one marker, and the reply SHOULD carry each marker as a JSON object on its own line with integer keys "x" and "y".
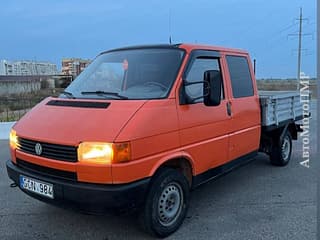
{"x": 168, "y": 195}
{"x": 281, "y": 151}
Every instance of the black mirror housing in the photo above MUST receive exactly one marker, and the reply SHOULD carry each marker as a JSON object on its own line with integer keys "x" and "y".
{"x": 212, "y": 88}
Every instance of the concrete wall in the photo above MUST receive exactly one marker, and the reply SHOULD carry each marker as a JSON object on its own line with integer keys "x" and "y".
{"x": 26, "y": 84}
{"x": 17, "y": 87}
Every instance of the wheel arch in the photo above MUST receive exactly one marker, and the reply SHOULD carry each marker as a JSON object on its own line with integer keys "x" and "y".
{"x": 292, "y": 128}
{"x": 180, "y": 161}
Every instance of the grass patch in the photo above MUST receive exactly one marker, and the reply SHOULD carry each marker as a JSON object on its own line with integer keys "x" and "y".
{"x": 285, "y": 85}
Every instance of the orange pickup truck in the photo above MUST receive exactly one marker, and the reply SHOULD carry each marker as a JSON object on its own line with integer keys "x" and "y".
{"x": 142, "y": 126}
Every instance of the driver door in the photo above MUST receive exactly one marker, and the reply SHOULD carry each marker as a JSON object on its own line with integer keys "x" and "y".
{"x": 204, "y": 129}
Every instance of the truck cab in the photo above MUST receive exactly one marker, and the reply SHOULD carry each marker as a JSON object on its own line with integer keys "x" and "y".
{"x": 140, "y": 127}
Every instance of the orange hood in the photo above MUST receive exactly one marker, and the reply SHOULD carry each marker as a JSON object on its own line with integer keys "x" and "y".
{"x": 70, "y": 122}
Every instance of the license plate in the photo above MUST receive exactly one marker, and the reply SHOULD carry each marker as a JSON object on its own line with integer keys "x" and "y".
{"x": 36, "y": 186}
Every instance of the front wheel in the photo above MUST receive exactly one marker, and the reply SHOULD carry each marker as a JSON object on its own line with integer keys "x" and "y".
{"x": 281, "y": 151}
{"x": 166, "y": 204}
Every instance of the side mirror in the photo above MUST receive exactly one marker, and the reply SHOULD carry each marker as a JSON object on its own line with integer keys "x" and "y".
{"x": 212, "y": 88}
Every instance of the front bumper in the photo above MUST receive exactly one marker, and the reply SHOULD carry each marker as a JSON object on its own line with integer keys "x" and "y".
{"x": 94, "y": 198}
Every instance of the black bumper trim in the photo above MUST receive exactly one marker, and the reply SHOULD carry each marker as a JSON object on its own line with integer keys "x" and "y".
{"x": 93, "y": 198}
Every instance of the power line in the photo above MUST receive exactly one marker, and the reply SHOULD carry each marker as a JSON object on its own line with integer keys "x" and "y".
{"x": 285, "y": 29}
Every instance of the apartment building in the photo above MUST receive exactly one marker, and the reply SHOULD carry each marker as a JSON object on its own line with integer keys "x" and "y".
{"x": 25, "y": 68}
{"x": 74, "y": 66}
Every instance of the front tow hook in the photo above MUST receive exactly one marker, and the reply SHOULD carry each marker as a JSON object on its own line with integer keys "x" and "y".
{"x": 13, "y": 185}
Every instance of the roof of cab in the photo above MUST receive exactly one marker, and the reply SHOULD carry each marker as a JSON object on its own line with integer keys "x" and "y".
{"x": 188, "y": 47}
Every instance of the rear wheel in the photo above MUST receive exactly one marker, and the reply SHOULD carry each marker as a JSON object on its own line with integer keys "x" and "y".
{"x": 281, "y": 151}
{"x": 166, "y": 204}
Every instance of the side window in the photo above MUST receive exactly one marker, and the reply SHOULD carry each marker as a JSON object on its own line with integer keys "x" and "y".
{"x": 241, "y": 80}
{"x": 196, "y": 72}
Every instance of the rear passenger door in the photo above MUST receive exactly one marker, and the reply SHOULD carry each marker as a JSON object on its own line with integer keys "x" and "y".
{"x": 203, "y": 129}
{"x": 244, "y": 107}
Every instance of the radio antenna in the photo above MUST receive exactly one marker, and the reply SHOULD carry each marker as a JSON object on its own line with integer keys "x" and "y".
{"x": 170, "y": 38}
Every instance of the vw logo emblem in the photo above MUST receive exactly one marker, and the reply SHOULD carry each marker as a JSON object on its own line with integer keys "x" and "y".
{"x": 38, "y": 149}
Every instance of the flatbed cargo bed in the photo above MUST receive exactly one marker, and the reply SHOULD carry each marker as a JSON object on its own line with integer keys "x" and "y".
{"x": 279, "y": 107}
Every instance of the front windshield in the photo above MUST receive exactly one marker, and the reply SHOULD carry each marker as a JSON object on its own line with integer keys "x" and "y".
{"x": 128, "y": 74}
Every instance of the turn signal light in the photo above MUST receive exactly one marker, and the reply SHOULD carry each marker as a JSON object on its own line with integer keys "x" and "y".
{"x": 13, "y": 139}
{"x": 104, "y": 153}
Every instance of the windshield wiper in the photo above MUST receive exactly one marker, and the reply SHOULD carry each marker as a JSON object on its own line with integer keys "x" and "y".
{"x": 105, "y": 93}
{"x": 68, "y": 94}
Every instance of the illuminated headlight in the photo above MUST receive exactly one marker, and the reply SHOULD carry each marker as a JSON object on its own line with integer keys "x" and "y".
{"x": 13, "y": 139}
{"x": 103, "y": 153}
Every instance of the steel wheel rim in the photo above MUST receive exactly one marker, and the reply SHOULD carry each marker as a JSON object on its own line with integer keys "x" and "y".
{"x": 285, "y": 148}
{"x": 170, "y": 204}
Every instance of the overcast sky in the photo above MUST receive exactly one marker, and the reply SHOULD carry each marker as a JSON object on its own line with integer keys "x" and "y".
{"x": 52, "y": 30}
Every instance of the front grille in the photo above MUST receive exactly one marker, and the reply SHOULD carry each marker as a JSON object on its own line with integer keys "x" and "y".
{"x": 46, "y": 171}
{"x": 49, "y": 150}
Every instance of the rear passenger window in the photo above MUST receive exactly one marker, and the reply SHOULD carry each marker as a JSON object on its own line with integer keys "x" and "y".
{"x": 195, "y": 74}
{"x": 240, "y": 76}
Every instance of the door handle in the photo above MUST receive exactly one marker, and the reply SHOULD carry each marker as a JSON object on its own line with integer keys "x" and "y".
{"x": 229, "y": 109}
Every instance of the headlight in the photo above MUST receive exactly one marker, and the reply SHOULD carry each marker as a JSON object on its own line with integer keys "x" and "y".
{"x": 13, "y": 139}
{"x": 104, "y": 153}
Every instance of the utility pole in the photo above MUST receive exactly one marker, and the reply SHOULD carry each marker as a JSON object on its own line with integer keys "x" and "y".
{"x": 299, "y": 49}
{"x": 300, "y": 35}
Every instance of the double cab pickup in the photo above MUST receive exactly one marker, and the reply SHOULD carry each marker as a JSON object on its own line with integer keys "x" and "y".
{"x": 142, "y": 126}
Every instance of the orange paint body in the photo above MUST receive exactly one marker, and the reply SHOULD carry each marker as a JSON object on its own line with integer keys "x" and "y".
{"x": 158, "y": 130}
